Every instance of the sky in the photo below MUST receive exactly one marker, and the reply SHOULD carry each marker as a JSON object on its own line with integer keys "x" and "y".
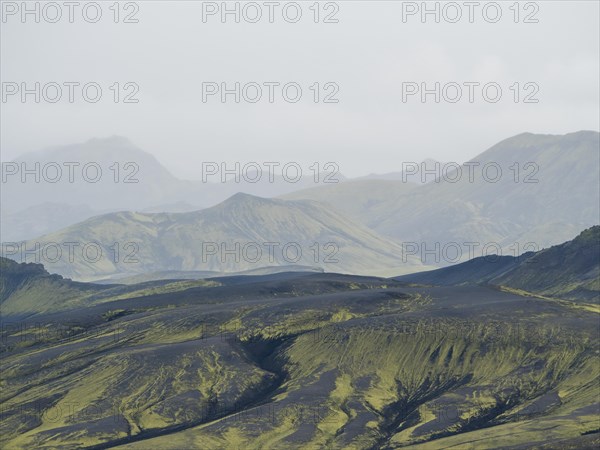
{"x": 369, "y": 56}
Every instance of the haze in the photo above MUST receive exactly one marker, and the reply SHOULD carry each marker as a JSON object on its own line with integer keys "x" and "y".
{"x": 369, "y": 53}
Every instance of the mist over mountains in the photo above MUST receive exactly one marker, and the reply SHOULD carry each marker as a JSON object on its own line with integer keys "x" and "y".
{"x": 526, "y": 193}
{"x": 306, "y": 225}
{"x": 66, "y": 184}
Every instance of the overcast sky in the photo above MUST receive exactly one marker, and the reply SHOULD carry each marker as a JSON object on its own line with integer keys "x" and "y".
{"x": 368, "y": 54}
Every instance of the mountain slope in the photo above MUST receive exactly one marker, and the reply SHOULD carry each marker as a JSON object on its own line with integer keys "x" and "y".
{"x": 562, "y": 202}
{"x": 304, "y": 361}
{"x": 570, "y": 270}
{"x": 27, "y": 288}
{"x": 356, "y": 198}
{"x": 547, "y": 192}
{"x": 242, "y": 233}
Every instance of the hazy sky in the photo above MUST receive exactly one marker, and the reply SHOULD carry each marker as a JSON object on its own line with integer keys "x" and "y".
{"x": 368, "y": 54}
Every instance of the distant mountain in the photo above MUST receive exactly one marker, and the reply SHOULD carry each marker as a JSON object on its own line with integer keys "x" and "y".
{"x": 75, "y": 182}
{"x": 556, "y": 195}
{"x": 570, "y": 270}
{"x": 418, "y": 173}
{"x": 548, "y": 190}
{"x": 243, "y": 233}
{"x": 39, "y": 219}
{"x": 118, "y": 175}
{"x": 109, "y": 175}
{"x": 358, "y": 199}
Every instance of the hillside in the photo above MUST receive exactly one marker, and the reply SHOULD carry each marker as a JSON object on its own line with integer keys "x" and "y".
{"x": 569, "y": 271}
{"x": 551, "y": 193}
{"x": 29, "y": 288}
{"x": 242, "y": 233}
{"x": 303, "y": 361}
{"x": 359, "y": 199}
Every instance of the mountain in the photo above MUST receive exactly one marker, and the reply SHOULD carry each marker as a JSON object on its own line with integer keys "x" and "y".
{"x": 75, "y": 182}
{"x": 547, "y": 191}
{"x": 568, "y": 271}
{"x": 358, "y": 199}
{"x": 562, "y": 199}
{"x": 39, "y": 219}
{"x": 109, "y": 175}
{"x": 242, "y": 233}
{"x": 419, "y": 173}
{"x": 28, "y": 290}
{"x": 118, "y": 174}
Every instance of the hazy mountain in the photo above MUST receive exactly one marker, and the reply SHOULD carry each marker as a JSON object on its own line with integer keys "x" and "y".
{"x": 243, "y": 233}
{"x": 570, "y": 270}
{"x": 356, "y": 198}
{"x": 419, "y": 173}
{"x": 548, "y": 191}
{"x": 39, "y": 219}
{"x": 561, "y": 199}
{"x": 113, "y": 174}
{"x": 118, "y": 176}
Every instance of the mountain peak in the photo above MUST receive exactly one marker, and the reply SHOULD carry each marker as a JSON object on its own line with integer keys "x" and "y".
{"x": 241, "y": 198}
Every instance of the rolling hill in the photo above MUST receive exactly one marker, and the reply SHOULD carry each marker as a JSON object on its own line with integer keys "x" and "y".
{"x": 243, "y": 233}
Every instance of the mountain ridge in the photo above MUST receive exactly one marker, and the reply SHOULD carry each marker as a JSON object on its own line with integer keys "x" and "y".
{"x": 570, "y": 270}
{"x": 242, "y": 233}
